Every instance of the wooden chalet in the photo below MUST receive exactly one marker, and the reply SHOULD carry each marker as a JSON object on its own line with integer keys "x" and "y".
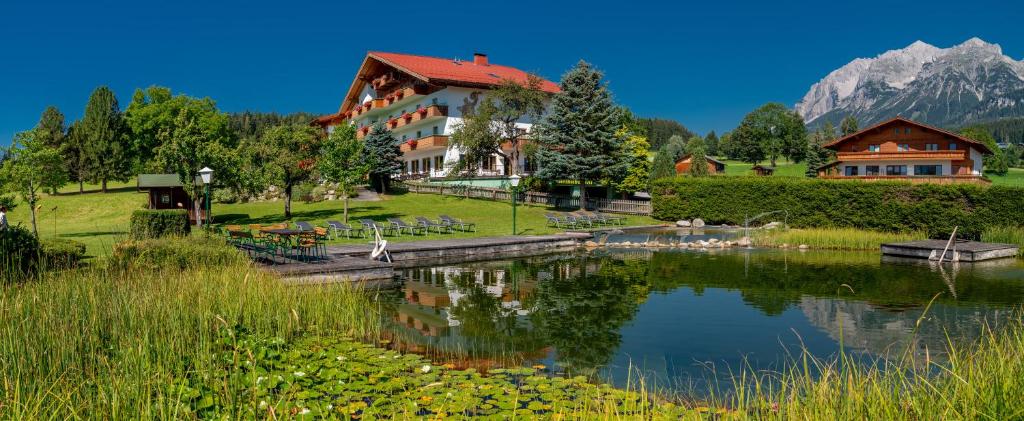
{"x": 714, "y": 166}
{"x": 167, "y": 192}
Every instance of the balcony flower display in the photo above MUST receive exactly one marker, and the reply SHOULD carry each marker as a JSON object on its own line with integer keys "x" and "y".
{"x": 412, "y": 143}
{"x": 407, "y": 116}
{"x": 422, "y": 110}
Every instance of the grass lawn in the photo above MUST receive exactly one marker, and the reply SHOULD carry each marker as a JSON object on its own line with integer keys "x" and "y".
{"x": 100, "y": 220}
{"x": 783, "y": 168}
{"x": 1013, "y": 178}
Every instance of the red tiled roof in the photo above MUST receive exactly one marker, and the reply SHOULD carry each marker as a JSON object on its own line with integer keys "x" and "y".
{"x": 441, "y": 70}
{"x": 981, "y": 146}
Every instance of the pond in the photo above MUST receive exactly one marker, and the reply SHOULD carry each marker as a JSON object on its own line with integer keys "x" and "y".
{"x": 680, "y": 317}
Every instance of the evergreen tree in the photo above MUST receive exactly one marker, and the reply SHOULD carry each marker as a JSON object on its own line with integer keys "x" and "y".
{"x": 817, "y": 155}
{"x": 659, "y": 131}
{"x": 848, "y": 126}
{"x": 711, "y": 143}
{"x": 383, "y": 154}
{"x": 73, "y": 153}
{"x": 726, "y": 147}
{"x": 698, "y": 157}
{"x": 106, "y": 146}
{"x": 578, "y": 139}
{"x": 50, "y": 131}
{"x": 663, "y": 166}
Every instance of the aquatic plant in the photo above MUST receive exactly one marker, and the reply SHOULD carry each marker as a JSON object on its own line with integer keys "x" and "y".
{"x": 830, "y": 238}
{"x": 1005, "y": 234}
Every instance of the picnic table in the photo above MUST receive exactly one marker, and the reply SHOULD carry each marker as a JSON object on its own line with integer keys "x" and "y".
{"x": 286, "y": 232}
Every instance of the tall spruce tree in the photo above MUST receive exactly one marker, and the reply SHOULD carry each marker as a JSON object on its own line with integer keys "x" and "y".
{"x": 698, "y": 157}
{"x": 711, "y": 143}
{"x": 383, "y": 153}
{"x": 50, "y": 131}
{"x": 579, "y": 138}
{"x": 817, "y": 155}
{"x": 663, "y": 166}
{"x": 848, "y": 126}
{"x": 107, "y": 148}
{"x": 73, "y": 154}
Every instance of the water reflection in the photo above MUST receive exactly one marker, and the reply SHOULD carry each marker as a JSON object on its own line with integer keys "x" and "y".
{"x": 674, "y": 313}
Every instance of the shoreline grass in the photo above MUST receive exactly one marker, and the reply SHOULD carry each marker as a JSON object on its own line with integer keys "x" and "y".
{"x": 829, "y": 238}
{"x": 1007, "y": 235}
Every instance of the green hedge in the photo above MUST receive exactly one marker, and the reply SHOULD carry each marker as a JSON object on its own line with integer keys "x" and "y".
{"x": 19, "y": 251}
{"x": 159, "y": 223}
{"x": 883, "y": 206}
{"x": 61, "y": 253}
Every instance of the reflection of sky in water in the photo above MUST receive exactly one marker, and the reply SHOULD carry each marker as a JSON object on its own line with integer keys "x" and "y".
{"x": 674, "y": 315}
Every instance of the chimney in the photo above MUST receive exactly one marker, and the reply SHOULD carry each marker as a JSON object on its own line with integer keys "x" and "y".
{"x": 480, "y": 59}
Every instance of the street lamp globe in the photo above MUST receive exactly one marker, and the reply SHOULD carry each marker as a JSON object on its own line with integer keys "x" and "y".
{"x": 206, "y": 174}
{"x": 514, "y": 180}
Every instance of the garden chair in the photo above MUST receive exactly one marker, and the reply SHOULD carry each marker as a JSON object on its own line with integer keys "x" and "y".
{"x": 597, "y": 218}
{"x": 463, "y": 225}
{"x": 304, "y": 226}
{"x": 583, "y": 218}
{"x": 577, "y": 222}
{"x": 401, "y": 226}
{"x": 612, "y": 219}
{"x": 369, "y": 225}
{"x": 558, "y": 222}
{"x": 257, "y": 234}
{"x": 337, "y": 227}
{"x": 428, "y": 224}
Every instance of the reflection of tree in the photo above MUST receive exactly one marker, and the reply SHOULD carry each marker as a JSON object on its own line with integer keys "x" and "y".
{"x": 580, "y": 313}
{"x": 486, "y": 319}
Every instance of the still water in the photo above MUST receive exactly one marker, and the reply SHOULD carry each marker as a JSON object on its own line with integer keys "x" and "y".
{"x": 681, "y": 316}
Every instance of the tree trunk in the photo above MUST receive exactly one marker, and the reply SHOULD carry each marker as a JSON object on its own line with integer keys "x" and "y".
{"x": 104, "y": 185}
{"x": 288, "y": 201}
{"x": 384, "y": 184}
{"x": 32, "y": 208}
{"x": 81, "y": 186}
{"x": 346, "y": 207}
{"x": 583, "y": 194}
{"x": 196, "y": 205}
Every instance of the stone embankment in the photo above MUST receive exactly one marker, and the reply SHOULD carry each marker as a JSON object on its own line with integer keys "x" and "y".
{"x": 713, "y": 243}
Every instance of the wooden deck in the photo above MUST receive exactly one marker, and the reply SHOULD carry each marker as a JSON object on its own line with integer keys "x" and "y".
{"x": 963, "y": 251}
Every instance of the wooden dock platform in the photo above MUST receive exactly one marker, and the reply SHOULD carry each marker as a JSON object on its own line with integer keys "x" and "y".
{"x": 961, "y": 250}
{"x": 352, "y": 262}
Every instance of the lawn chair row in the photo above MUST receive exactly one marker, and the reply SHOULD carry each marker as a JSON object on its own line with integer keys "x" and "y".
{"x": 583, "y": 220}
{"x": 423, "y": 225}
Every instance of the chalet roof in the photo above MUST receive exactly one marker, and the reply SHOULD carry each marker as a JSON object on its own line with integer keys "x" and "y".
{"x": 899, "y": 119}
{"x": 147, "y": 181}
{"x": 436, "y": 70}
{"x": 710, "y": 159}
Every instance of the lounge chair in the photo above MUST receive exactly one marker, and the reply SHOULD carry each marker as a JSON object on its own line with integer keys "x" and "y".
{"x": 612, "y": 219}
{"x": 304, "y": 226}
{"x": 428, "y": 224}
{"x": 370, "y": 225}
{"x": 463, "y": 225}
{"x": 558, "y": 222}
{"x": 337, "y": 227}
{"x": 401, "y": 226}
{"x": 584, "y": 219}
{"x": 578, "y": 221}
{"x": 598, "y": 218}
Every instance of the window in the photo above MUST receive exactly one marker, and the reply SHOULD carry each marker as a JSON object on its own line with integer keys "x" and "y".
{"x": 952, "y": 146}
{"x": 419, "y": 134}
{"x": 850, "y": 171}
{"x": 906, "y": 130}
{"x": 490, "y": 163}
{"x": 439, "y": 161}
{"x": 931, "y": 147}
{"x": 165, "y": 199}
{"x": 426, "y": 164}
{"x": 874, "y": 148}
{"x": 435, "y": 130}
{"x": 895, "y": 170}
{"x": 871, "y": 170}
{"x": 927, "y": 169}
{"x": 896, "y": 131}
{"x": 902, "y": 147}
{"x": 415, "y": 166}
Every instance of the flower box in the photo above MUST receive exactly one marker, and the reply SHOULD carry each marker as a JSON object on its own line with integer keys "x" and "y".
{"x": 412, "y": 143}
{"x": 422, "y": 111}
{"x": 407, "y": 116}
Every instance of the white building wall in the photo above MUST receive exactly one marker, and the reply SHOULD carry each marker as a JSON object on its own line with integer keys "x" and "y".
{"x": 862, "y": 167}
{"x": 978, "y": 160}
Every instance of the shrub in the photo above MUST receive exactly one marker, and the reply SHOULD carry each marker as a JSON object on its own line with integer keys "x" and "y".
{"x": 175, "y": 253}
{"x": 882, "y": 206}
{"x": 10, "y": 202}
{"x": 19, "y": 251}
{"x": 61, "y": 253}
{"x": 225, "y": 196}
{"x": 159, "y": 223}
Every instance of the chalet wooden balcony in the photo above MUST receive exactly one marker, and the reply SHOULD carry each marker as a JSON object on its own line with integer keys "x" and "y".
{"x": 936, "y": 179}
{"x": 425, "y": 143}
{"x": 956, "y": 155}
{"x": 410, "y": 118}
{"x": 398, "y": 96}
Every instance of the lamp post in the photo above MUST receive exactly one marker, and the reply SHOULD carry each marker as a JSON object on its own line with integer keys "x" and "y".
{"x": 514, "y": 181}
{"x": 207, "y": 175}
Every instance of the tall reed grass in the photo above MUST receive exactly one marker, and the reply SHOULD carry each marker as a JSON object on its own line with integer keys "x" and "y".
{"x": 108, "y": 341}
{"x": 1008, "y": 235}
{"x": 830, "y": 238}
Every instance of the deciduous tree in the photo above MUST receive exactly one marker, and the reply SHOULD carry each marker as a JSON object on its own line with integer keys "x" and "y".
{"x": 30, "y": 166}
{"x": 196, "y": 142}
{"x": 995, "y": 163}
{"x": 637, "y": 175}
{"x": 341, "y": 161}
{"x": 294, "y": 150}
{"x": 770, "y": 132}
{"x": 578, "y": 139}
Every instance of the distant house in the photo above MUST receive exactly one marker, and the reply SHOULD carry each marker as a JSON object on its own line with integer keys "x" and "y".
{"x": 714, "y": 166}
{"x": 762, "y": 170}
{"x": 167, "y": 192}
{"x": 907, "y": 150}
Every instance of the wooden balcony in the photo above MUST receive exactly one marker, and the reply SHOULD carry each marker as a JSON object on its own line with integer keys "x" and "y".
{"x": 425, "y": 143}
{"x": 400, "y": 95}
{"x": 414, "y": 117}
{"x": 957, "y": 155}
{"x": 936, "y": 179}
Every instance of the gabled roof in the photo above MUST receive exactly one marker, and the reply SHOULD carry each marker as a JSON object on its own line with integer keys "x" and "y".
{"x": 148, "y": 181}
{"x": 707, "y": 157}
{"x": 441, "y": 71}
{"x": 980, "y": 146}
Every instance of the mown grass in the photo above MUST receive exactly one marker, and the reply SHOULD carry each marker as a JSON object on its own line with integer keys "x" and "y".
{"x": 830, "y": 238}
{"x": 783, "y": 168}
{"x": 1014, "y": 177}
{"x": 1007, "y": 235}
{"x": 99, "y": 220}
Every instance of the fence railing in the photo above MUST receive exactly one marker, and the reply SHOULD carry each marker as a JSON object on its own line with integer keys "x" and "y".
{"x": 632, "y": 207}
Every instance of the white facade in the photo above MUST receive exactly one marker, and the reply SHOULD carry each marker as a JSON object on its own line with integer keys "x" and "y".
{"x": 946, "y": 165}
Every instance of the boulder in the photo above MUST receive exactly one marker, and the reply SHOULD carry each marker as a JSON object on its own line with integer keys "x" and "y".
{"x": 772, "y": 225}
{"x": 698, "y": 223}
{"x": 803, "y": 247}
{"x": 683, "y": 223}
{"x": 590, "y": 244}
{"x": 743, "y": 242}
{"x": 714, "y": 240}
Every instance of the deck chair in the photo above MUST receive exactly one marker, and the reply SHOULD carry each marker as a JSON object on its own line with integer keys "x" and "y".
{"x": 558, "y": 222}
{"x": 452, "y": 222}
{"x": 577, "y": 221}
{"x": 402, "y": 226}
{"x": 304, "y": 226}
{"x": 337, "y": 227}
{"x": 428, "y": 224}
{"x": 369, "y": 225}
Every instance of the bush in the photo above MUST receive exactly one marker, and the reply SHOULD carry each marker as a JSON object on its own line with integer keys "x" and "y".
{"x": 9, "y": 202}
{"x": 159, "y": 223}
{"x": 882, "y": 206}
{"x": 225, "y": 196}
{"x": 19, "y": 252}
{"x": 61, "y": 253}
{"x": 174, "y": 253}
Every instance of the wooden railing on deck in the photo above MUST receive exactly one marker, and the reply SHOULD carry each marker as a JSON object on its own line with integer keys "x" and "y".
{"x": 632, "y": 207}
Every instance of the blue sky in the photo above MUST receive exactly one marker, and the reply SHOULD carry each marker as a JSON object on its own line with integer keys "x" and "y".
{"x": 704, "y": 64}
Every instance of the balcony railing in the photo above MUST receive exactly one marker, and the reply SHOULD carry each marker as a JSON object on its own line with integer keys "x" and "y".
{"x": 939, "y": 179}
{"x": 424, "y": 143}
{"x": 414, "y": 117}
{"x": 401, "y": 95}
{"x": 902, "y": 156}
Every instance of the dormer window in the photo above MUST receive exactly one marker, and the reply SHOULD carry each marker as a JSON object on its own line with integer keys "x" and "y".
{"x": 902, "y": 147}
